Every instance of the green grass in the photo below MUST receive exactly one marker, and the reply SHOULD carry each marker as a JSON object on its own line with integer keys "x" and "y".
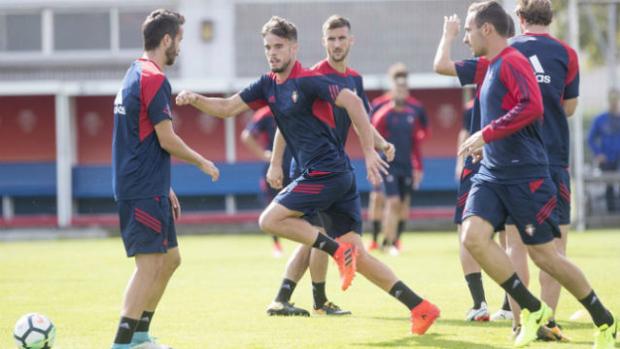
{"x": 219, "y": 295}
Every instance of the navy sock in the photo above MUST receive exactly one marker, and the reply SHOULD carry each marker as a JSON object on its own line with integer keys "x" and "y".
{"x": 517, "y": 290}
{"x": 318, "y": 293}
{"x": 286, "y": 290}
{"x": 325, "y": 243}
{"x": 506, "y": 305}
{"x": 474, "y": 282}
{"x": 145, "y": 321}
{"x": 405, "y": 295}
{"x": 126, "y": 328}
{"x": 376, "y": 228}
{"x": 400, "y": 229}
{"x": 600, "y": 315}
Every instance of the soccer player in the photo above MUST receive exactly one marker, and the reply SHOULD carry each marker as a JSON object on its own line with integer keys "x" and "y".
{"x": 398, "y": 123}
{"x": 302, "y": 102}
{"x": 514, "y": 180}
{"x": 397, "y": 74}
{"x": 258, "y": 137}
{"x": 337, "y": 40}
{"x": 142, "y": 143}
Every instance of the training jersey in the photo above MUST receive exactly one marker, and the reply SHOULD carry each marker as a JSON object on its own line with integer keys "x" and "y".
{"x": 350, "y": 79}
{"x": 306, "y": 122}
{"x": 471, "y": 72}
{"x": 140, "y": 166}
{"x": 511, "y": 112}
{"x": 557, "y": 71}
{"x": 398, "y": 126}
{"x": 423, "y": 129}
{"x": 263, "y": 127}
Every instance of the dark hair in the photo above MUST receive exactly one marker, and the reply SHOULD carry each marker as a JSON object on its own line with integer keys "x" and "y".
{"x": 536, "y": 12}
{"x": 493, "y": 13}
{"x": 159, "y": 23}
{"x": 280, "y": 27}
{"x": 511, "y": 26}
{"x": 335, "y": 22}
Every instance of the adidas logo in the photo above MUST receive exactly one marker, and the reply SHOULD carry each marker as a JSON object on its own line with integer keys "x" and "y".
{"x": 321, "y": 245}
{"x": 124, "y": 325}
{"x": 398, "y": 293}
{"x": 541, "y": 77}
{"x": 516, "y": 283}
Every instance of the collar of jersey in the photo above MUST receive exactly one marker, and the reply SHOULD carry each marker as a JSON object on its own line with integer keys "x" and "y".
{"x": 503, "y": 53}
{"x": 145, "y": 59}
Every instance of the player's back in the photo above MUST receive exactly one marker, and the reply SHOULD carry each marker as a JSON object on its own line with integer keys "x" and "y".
{"x": 141, "y": 168}
{"x": 556, "y": 68}
{"x": 521, "y": 155}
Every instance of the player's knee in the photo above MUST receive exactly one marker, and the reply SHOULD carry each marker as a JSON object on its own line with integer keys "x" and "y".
{"x": 266, "y": 221}
{"x": 472, "y": 241}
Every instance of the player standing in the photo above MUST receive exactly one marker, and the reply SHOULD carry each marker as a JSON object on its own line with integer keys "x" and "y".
{"x": 328, "y": 183}
{"x": 514, "y": 179}
{"x": 142, "y": 143}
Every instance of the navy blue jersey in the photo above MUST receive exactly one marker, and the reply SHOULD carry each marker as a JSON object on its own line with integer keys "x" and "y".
{"x": 303, "y": 106}
{"x": 398, "y": 126}
{"x": 511, "y": 110}
{"x": 423, "y": 126}
{"x": 140, "y": 166}
{"x": 557, "y": 72}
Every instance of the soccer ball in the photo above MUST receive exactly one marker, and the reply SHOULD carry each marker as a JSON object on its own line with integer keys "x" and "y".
{"x": 34, "y": 331}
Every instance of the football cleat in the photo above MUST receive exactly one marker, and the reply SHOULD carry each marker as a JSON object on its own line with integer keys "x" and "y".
{"x": 479, "y": 314}
{"x": 285, "y": 309}
{"x": 605, "y": 336}
{"x": 277, "y": 249}
{"x": 423, "y": 316}
{"x": 346, "y": 259}
{"x": 530, "y": 322}
{"x": 372, "y": 246}
{"x": 551, "y": 334}
{"x": 502, "y": 315}
{"x": 330, "y": 308}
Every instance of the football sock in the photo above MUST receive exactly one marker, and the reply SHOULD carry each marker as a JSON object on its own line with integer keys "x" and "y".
{"x": 517, "y": 290}
{"x": 126, "y": 328}
{"x": 399, "y": 230}
{"x": 474, "y": 282}
{"x": 506, "y": 305}
{"x": 551, "y": 323}
{"x": 325, "y": 243}
{"x": 145, "y": 321}
{"x": 275, "y": 239}
{"x": 318, "y": 293}
{"x": 376, "y": 228}
{"x": 286, "y": 290}
{"x": 405, "y": 295}
{"x": 599, "y": 314}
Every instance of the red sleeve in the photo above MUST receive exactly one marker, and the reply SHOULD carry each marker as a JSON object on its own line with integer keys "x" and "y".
{"x": 379, "y": 120}
{"x": 481, "y": 70}
{"x": 416, "y": 141}
{"x": 523, "y": 100}
{"x": 571, "y": 85}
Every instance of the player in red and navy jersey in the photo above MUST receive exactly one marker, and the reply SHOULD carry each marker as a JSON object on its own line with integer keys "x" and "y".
{"x": 398, "y": 123}
{"x": 258, "y": 137}
{"x": 514, "y": 180}
{"x": 296, "y": 96}
{"x": 142, "y": 143}
{"x": 398, "y": 74}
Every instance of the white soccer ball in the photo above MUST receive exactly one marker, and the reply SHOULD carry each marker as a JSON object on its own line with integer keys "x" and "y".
{"x": 34, "y": 331}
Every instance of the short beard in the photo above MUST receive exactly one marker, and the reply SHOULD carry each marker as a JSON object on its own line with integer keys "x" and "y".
{"x": 342, "y": 58}
{"x": 171, "y": 54}
{"x": 281, "y": 69}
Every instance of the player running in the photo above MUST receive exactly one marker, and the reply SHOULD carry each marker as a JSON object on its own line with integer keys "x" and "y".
{"x": 142, "y": 143}
{"x": 302, "y": 102}
{"x": 514, "y": 180}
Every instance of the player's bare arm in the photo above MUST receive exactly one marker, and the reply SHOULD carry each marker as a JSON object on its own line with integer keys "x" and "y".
{"x": 174, "y": 145}
{"x": 175, "y": 204}
{"x": 355, "y": 109}
{"x": 214, "y": 106}
{"x": 250, "y": 142}
{"x": 382, "y": 145}
{"x": 460, "y": 161}
{"x": 443, "y": 64}
{"x": 275, "y": 176}
{"x": 570, "y": 105}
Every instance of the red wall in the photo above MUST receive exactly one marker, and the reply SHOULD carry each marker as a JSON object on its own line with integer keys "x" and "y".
{"x": 27, "y": 129}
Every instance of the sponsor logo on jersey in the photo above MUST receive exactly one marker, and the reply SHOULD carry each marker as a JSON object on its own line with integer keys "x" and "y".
{"x": 541, "y": 77}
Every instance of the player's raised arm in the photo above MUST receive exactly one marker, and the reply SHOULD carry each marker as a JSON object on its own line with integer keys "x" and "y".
{"x": 174, "y": 145}
{"x": 443, "y": 63}
{"x": 359, "y": 118}
{"x": 215, "y": 106}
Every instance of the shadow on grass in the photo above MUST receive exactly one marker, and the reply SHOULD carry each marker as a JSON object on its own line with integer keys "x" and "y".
{"x": 433, "y": 340}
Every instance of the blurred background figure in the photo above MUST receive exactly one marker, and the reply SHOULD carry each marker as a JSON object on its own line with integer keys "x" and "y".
{"x": 604, "y": 142}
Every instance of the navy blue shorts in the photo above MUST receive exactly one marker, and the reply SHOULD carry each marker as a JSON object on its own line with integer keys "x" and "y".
{"x": 333, "y": 195}
{"x": 530, "y": 205}
{"x": 397, "y": 185}
{"x": 561, "y": 178}
{"x": 147, "y": 225}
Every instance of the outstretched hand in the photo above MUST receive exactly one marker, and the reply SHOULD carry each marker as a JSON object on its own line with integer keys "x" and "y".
{"x": 375, "y": 167}
{"x": 451, "y": 26}
{"x": 185, "y": 97}
{"x": 209, "y": 168}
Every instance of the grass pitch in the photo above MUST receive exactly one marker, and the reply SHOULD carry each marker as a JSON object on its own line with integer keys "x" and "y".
{"x": 218, "y": 297}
